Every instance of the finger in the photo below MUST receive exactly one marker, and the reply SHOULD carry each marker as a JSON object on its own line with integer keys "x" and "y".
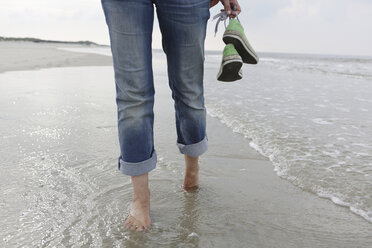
{"x": 226, "y": 5}
{"x": 238, "y": 9}
{"x": 234, "y": 13}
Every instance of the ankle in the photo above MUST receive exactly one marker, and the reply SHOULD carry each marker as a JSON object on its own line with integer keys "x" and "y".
{"x": 192, "y": 164}
{"x": 142, "y": 197}
{"x": 192, "y": 172}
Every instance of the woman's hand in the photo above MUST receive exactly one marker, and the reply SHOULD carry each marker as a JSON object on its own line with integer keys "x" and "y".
{"x": 228, "y": 6}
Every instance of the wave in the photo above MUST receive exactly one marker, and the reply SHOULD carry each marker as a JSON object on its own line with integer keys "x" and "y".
{"x": 350, "y": 67}
{"x": 282, "y": 165}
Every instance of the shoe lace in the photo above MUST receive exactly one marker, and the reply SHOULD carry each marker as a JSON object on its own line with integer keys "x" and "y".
{"x": 223, "y": 17}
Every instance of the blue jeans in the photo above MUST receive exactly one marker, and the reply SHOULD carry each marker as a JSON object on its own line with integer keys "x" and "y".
{"x": 183, "y": 25}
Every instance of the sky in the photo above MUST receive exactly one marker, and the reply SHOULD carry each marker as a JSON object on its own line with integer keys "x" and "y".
{"x": 294, "y": 26}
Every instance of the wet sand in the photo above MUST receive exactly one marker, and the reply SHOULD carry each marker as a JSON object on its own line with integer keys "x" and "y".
{"x": 18, "y": 56}
{"x": 241, "y": 201}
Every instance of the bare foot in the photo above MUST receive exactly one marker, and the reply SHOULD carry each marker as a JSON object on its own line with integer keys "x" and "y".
{"x": 191, "y": 181}
{"x": 139, "y": 217}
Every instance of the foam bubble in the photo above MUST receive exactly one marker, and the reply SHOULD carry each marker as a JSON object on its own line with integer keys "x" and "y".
{"x": 321, "y": 121}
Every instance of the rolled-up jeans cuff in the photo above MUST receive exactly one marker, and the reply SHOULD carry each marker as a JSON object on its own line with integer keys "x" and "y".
{"x": 139, "y": 168}
{"x": 194, "y": 150}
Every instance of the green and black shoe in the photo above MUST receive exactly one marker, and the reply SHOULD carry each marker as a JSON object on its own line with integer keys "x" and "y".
{"x": 231, "y": 65}
{"x": 234, "y": 34}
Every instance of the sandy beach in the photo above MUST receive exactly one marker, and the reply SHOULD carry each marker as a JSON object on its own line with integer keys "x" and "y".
{"x": 60, "y": 185}
{"x": 16, "y": 56}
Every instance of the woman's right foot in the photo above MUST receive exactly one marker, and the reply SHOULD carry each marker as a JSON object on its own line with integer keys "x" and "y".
{"x": 139, "y": 217}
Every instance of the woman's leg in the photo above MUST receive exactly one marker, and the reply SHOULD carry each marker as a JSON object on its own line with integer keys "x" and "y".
{"x": 130, "y": 25}
{"x": 140, "y": 204}
{"x": 191, "y": 180}
{"x": 183, "y": 26}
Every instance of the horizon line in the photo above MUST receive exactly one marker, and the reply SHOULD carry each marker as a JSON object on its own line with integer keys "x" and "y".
{"x": 92, "y": 43}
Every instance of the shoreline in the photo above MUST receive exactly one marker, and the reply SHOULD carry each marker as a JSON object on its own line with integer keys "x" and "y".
{"x": 25, "y": 55}
{"x": 302, "y": 213}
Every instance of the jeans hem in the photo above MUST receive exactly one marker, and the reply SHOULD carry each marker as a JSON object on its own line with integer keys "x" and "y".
{"x": 139, "y": 168}
{"x": 194, "y": 150}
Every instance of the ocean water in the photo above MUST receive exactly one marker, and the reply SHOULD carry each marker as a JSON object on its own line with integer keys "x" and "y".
{"x": 60, "y": 187}
{"x": 311, "y": 115}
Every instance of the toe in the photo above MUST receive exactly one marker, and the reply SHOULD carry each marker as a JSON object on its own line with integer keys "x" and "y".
{"x": 135, "y": 224}
{"x": 129, "y": 221}
{"x": 128, "y": 224}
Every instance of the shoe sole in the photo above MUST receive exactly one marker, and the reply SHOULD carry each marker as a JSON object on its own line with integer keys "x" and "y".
{"x": 248, "y": 55}
{"x": 230, "y": 71}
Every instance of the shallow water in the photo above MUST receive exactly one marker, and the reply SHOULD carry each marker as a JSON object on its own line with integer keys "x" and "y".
{"x": 312, "y": 116}
{"x": 60, "y": 187}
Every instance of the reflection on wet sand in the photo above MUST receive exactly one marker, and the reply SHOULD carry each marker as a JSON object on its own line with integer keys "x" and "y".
{"x": 189, "y": 219}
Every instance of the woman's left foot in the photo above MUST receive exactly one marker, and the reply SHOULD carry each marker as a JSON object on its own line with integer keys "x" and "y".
{"x": 191, "y": 182}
